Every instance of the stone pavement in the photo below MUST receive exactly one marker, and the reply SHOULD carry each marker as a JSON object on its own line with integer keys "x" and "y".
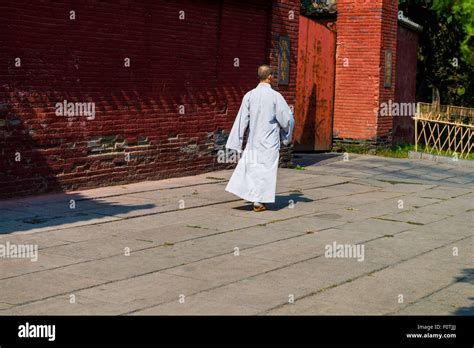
{"x": 185, "y": 246}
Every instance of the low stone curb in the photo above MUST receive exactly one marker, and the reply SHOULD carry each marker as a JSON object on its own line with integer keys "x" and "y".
{"x": 442, "y": 159}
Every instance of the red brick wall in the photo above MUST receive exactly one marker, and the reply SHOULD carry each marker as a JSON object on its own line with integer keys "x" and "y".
{"x": 364, "y": 29}
{"x": 173, "y": 62}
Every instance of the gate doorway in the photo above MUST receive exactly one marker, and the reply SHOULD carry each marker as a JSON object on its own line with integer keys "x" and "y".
{"x": 314, "y": 106}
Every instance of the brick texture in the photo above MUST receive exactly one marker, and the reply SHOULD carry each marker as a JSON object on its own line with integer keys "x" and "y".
{"x": 138, "y": 132}
{"x": 365, "y": 29}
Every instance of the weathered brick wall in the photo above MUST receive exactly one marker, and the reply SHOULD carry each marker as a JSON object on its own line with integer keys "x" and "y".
{"x": 165, "y": 115}
{"x": 365, "y": 28}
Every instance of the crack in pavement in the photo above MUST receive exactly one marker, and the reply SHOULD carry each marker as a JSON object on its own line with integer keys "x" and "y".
{"x": 281, "y": 305}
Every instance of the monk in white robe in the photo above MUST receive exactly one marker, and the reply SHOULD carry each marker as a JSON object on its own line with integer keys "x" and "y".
{"x": 270, "y": 120}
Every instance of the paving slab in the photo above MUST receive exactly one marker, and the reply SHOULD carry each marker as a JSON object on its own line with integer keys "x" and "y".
{"x": 198, "y": 305}
{"x": 392, "y": 249}
{"x": 14, "y": 267}
{"x": 141, "y": 292}
{"x": 308, "y": 245}
{"x": 414, "y": 217}
{"x": 377, "y": 226}
{"x": 363, "y": 198}
{"x": 280, "y": 286}
{"x": 66, "y": 305}
{"x": 98, "y": 248}
{"x": 41, "y": 285}
{"x": 412, "y": 279}
{"x": 352, "y": 213}
{"x": 43, "y": 223}
{"x": 225, "y": 269}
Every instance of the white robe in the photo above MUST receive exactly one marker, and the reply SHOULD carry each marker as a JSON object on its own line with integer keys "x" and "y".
{"x": 271, "y": 120}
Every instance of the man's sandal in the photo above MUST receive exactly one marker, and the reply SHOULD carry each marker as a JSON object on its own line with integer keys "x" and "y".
{"x": 259, "y": 208}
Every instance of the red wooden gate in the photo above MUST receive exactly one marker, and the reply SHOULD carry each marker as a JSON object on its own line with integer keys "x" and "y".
{"x": 315, "y": 85}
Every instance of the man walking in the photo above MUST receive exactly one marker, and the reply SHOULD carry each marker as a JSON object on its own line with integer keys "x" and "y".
{"x": 270, "y": 120}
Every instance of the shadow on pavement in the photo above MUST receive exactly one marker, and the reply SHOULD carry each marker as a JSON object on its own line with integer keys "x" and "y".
{"x": 309, "y": 159}
{"x": 56, "y": 210}
{"x": 281, "y": 202}
{"x": 466, "y": 277}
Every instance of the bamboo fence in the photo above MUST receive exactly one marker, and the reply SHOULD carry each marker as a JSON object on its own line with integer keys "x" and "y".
{"x": 444, "y": 129}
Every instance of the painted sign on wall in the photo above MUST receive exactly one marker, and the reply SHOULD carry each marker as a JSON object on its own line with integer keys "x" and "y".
{"x": 284, "y": 60}
{"x": 388, "y": 69}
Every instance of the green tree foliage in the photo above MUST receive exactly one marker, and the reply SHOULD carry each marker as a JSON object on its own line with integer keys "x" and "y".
{"x": 318, "y": 8}
{"x": 445, "y": 54}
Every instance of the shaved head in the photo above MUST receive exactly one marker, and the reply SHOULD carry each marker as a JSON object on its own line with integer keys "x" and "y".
{"x": 264, "y": 71}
